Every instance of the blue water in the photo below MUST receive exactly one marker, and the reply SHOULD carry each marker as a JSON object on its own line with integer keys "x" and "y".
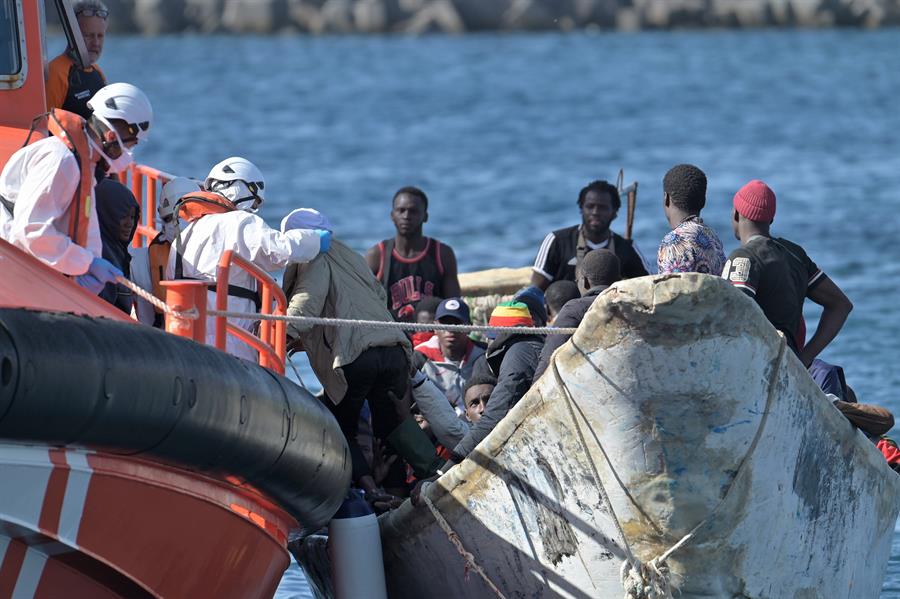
{"x": 503, "y": 130}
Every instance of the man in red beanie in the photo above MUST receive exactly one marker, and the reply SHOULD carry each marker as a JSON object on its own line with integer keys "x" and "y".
{"x": 779, "y": 275}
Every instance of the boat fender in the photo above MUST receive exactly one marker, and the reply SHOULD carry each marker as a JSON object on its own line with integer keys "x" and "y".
{"x": 354, "y": 546}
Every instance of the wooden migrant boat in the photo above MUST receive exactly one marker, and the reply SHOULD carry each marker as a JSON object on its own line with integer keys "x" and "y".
{"x": 676, "y": 436}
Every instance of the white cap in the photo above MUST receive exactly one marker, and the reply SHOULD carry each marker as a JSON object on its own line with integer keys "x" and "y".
{"x": 125, "y": 102}
{"x": 305, "y": 218}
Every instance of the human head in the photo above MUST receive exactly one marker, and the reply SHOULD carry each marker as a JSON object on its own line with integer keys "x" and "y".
{"x": 598, "y": 267}
{"x": 599, "y": 203}
{"x": 557, "y": 294}
{"x": 476, "y": 394}
{"x": 684, "y": 188}
{"x": 240, "y": 181}
{"x": 754, "y": 202}
{"x": 91, "y": 15}
{"x": 118, "y": 212}
{"x": 409, "y": 211}
{"x": 510, "y": 314}
{"x": 453, "y": 344}
{"x": 533, "y": 297}
{"x": 121, "y": 116}
{"x": 426, "y": 309}
{"x": 305, "y": 218}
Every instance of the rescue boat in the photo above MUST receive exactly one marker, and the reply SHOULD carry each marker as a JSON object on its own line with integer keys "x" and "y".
{"x": 136, "y": 462}
{"x": 675, "y": 446}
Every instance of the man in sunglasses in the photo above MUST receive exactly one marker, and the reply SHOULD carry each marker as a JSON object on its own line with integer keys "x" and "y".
{"x": 47, "y": 188}
{"x": 69, "y": 86}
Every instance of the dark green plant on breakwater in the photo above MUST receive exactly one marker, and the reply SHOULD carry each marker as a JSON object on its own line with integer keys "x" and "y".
{"x": 459, "y": 16}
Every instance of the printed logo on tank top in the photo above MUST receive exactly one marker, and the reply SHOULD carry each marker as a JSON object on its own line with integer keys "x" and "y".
{"x": 409, "y": 290}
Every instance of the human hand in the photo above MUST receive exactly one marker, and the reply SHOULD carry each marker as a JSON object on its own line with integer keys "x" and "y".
{"x": 90, "y": 282}
{"x": 324, "y": 240}
{"x": 104, "y": 271}
{"x": 415, "y": 496}
{"x": 380, "y": 465}
{"x": 382, "y": 501}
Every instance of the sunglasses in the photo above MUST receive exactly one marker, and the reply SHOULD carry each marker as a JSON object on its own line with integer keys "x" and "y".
{"x": 92, "y": 12}
{"x": 135, "y": 128}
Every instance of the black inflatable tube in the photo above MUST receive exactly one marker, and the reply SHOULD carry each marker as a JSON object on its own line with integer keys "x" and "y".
{"x": 129, "y": 389}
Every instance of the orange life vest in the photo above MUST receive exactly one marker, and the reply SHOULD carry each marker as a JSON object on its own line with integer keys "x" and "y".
{"x": 71, "y": 129}
{"x": 158, "y": 253}
{"x": 197, "y": 204}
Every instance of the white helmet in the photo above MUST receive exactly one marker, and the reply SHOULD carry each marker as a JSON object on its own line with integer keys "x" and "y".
{"x": 173, "y": 191}
{"x": 237, "y": 179}
{"x": 125, "y": 102}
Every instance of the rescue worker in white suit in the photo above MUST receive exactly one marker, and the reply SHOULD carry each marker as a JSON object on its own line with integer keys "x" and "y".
{"x": 213, "y": 226}
{"x": 47, "y": 187}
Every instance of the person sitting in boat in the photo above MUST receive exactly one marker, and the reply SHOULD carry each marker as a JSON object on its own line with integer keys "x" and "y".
{"x": 556, "y": 296}
{"x": 562, "y": 250}
{"x": 223, "y": 217}
{"x": 69, "y": 86}
{"x": 47, "y": 188}
{"x": 779, "y": 275}
{"x": 450, "y": 354}
{"x": 118, "y": 213}
{"x": 599, "y": 270}
{"x": 425, "y": 311}
{"x": 443, "y": 421}
{"x": 355, "y": 363}
{"x": 691, "y": 245}
{"x": 512, "y": 358}
{"x": 148, "y": 264}
{"x": 412, "y": 266}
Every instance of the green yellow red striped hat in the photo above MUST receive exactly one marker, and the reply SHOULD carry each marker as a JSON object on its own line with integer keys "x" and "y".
{"x": 511, "y": 314}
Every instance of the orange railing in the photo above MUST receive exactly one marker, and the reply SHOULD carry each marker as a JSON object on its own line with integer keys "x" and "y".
{"x": 271, "y": 342}
{"x": 146, "y": 185}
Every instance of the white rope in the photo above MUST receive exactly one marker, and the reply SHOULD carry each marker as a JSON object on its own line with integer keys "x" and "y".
{"x": 406, "y": 326}
{"x": 191, "y": 314}
{"x": 471, "y": 564}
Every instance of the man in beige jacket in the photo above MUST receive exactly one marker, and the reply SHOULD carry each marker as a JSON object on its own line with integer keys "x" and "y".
{"x": 355, "y": 363}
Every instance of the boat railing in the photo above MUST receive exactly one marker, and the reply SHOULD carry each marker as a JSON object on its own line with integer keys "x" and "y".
{"x": 146, "y": 184}
{"x": 271, "y": 343}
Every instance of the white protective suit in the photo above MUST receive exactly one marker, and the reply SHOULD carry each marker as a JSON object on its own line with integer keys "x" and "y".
{"x": 205, "y": 240}
{"x": 41, "y": 179}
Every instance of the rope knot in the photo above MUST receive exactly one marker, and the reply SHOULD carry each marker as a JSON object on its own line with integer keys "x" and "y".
{"x": 645, "y": 581}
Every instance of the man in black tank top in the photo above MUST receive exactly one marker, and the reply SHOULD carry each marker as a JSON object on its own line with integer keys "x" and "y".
{"x": 68, "y": 85}
{"x": 412, "y": 266}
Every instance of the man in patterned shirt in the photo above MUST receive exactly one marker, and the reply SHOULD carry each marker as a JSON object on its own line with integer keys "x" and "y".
{"x": 691, "y": 246}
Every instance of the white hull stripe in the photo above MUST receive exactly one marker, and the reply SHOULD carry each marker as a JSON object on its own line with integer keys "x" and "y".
{"x": 30, "y": 574}
{"x": 76, "y": 493}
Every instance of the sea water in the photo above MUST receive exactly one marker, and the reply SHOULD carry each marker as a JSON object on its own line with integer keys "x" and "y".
{"x": 502, "y": 131}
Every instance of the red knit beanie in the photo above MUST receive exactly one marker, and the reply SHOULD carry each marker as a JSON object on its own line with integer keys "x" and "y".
{"x": 755, "y": 201}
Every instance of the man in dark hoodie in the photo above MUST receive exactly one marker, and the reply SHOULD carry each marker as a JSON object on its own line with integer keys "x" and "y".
{"x": 118, "y": 213}
{"x": 599, "y": 270}
{"x": 512, "y": 358}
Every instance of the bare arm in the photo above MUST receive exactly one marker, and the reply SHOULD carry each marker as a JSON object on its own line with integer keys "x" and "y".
{"x": 539, "y": 281}
{"x": 836, "y": 307}
{"x": 451, "y": 280}
{"x": 373, "y": 258}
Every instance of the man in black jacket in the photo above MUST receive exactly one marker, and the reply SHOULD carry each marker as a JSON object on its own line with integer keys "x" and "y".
{"x": 599, "y": 270}
{"x": 512, "y": 358}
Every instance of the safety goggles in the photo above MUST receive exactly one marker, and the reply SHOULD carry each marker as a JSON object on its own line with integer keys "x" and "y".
{"x": 92, "y": 12}
{"x": 135, "y": 128}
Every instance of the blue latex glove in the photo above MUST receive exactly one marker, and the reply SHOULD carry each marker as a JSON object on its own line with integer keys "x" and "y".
{"x": 324, "y": 240}
{"x": 90, "y": 282}
{"x": 104, "y": 271}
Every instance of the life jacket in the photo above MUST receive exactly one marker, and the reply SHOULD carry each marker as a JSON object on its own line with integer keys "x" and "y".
{"x": 192, "y": 207}
{"x": 71, "y": 129}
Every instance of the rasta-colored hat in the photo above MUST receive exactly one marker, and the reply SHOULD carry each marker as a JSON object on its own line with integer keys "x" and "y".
{"x": 511, "y": 314}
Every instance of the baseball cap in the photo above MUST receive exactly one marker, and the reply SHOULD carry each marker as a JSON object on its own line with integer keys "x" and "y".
{"x": 454, "y": 307}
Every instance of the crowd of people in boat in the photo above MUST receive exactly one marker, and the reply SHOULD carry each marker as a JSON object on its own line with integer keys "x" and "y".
{"x": 410, "y": 405}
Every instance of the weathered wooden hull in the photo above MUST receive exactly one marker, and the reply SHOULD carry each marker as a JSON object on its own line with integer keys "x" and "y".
{"x": 676, "y": 408}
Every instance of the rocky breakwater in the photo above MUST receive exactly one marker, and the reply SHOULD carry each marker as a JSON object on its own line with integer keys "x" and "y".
{"x": 459, "y": 16}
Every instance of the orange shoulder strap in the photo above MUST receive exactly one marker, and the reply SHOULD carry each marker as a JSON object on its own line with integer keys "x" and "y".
{"x": 159, "y": 258}
{"x": 72, "y": 130}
